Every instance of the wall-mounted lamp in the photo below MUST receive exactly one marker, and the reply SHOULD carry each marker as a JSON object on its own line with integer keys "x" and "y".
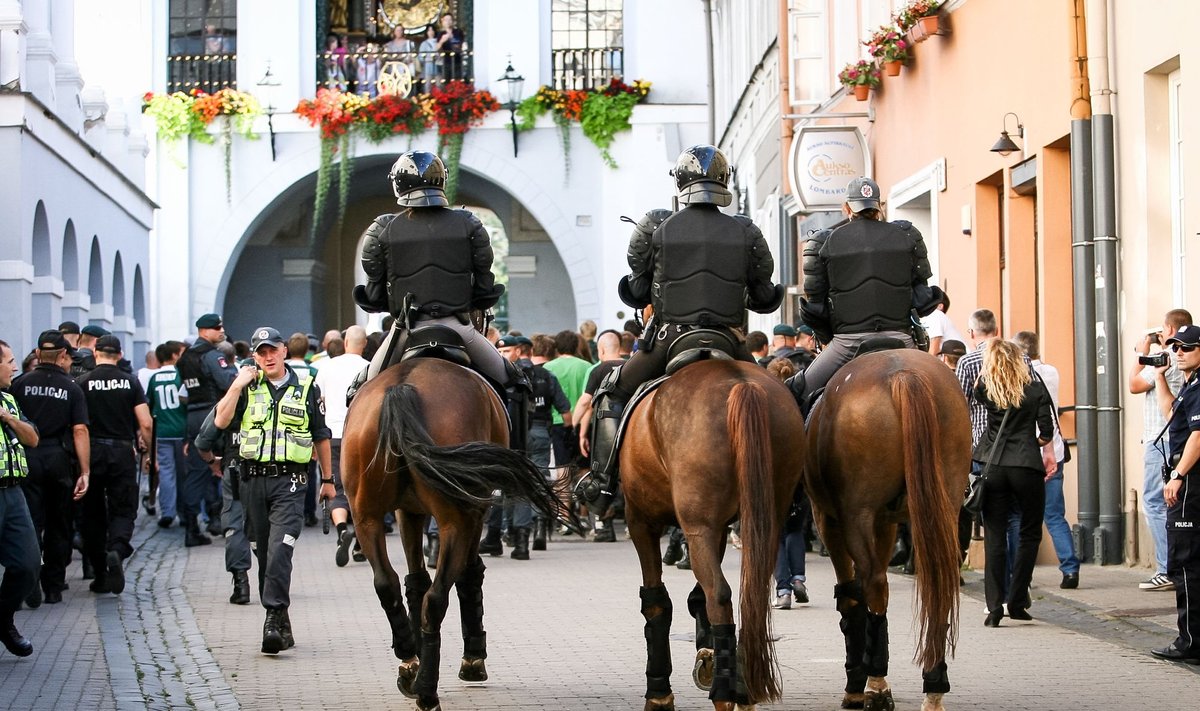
{"x": 269, "y": 84}
{"x": 1005, "y": 144}
{"x": 513, "y": 83}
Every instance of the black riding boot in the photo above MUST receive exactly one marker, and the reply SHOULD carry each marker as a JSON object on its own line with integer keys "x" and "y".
{"x": 491, "y": 544}
{"x": 520, "y": 405}
{"x": 674, "y": 551}
{"x": 596, "y": 489}
{"x": 541, "y": 531}
{"x": 796, "y": 384}
{"x": 520, "y": 549}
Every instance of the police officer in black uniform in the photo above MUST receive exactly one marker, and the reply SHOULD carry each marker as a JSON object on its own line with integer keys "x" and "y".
{"x": 60, "y": 464}
{"x": 440, "y": 256}
{"x": 18, "y": 544}
{"x": 119, "y": 414}
{"x": 281, "y": 424}
{"x": 83, "y": 359}
{"x": 206, "y": 375}
{"x": 1181, "y": 492}
{"x": 698, "y": 268}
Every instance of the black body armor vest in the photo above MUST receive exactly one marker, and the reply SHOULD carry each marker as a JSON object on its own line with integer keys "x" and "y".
{"x": 429, "y": 255}
{"x": 870, "y": 267}
{"x": 201, "y": 387}
{"x": 701, "y": 263}
{"x": 543, "y": 393}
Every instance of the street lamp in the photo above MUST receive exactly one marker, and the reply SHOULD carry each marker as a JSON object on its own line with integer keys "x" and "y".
{"x": 269, "y": 84}
{"x": 1005, "y": 145}
{"x": 512, "y": 91}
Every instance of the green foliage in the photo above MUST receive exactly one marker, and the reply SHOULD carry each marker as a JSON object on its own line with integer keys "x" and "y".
{"x": 605, "y": 116}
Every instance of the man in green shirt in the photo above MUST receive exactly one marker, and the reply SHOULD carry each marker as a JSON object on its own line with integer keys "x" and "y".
{"x": 168, "y": 406}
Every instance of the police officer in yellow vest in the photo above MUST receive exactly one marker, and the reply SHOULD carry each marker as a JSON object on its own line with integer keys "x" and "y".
{"x": 280, "y": 423}
{"x": 18, "y": 545}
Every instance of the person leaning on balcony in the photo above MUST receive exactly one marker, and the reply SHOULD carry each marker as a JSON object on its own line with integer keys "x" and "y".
{"x": 1150, "y": 380}
{"x": 450, "y": 44}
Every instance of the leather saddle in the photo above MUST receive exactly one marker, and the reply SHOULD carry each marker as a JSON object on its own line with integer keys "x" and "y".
{"x": 433, "y": 342}
{"x": 697, "y": 345}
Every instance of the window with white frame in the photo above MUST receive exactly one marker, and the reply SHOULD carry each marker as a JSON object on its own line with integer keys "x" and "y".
{"x": 808, "y": 50}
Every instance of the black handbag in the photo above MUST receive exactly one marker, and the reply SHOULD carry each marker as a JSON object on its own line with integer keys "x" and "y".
{"x": 973, "y": 497}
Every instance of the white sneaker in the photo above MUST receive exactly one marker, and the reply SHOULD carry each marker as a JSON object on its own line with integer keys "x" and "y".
{"x": 1158, "y": 582}
{"x": 783, "y": 601}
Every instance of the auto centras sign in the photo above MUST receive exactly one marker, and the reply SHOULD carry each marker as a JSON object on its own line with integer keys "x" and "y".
{"x": 822, "y": 161}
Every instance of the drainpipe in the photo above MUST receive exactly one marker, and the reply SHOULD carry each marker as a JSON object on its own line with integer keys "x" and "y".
{"x": 788, "y": 273}
{"x": 1108, "y": 340}
{"x": 712, "y": 85}
{"x": 1082, "y": 275}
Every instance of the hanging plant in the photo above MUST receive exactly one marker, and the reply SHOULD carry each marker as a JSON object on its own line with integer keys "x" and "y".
{"x": 334, "y": 112}
{"x": 563, "y": 106}
{"x": 391, "y": 115}
{"x": 602, "y": 113}
{"x": 457, "y": 107}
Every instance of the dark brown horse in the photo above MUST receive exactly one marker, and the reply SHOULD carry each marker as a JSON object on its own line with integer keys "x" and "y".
{"x": 428, "y": 438}
{"x": 891, "y": 440}
{"x": 719, "y": 440}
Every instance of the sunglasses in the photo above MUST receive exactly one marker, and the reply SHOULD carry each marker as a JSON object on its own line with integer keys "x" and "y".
{"x": 1181, "y": 348}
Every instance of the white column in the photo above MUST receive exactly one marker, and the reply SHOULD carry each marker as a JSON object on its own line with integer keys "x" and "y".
{"x": 13, "y": 31}
{"x": 67, "y": 80}
{"x": 16, "y": 281}
{"x": 40, "y": 57}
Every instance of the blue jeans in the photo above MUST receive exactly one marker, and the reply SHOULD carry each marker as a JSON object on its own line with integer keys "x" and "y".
{"x": 19, "y": 552}
{"x": 171, "y": 465}
{"x": 1055, "y": 517}
{"x": 789, "y": 564}
{"x": 1154, "y": 507}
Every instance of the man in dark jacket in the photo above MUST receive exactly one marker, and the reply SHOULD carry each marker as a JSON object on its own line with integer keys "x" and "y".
{"x": 698, "y": 268}
{"x": 862, "y": 280}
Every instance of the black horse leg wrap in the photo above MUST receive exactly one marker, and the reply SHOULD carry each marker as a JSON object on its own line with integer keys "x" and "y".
{"x": 656, "y": 608}
{"x": 937, "y": 681}
{"x": 698, "y": 609}
{"x": 470, "y": 606}
{"x": 724, "y": 685}
{"x": 431, "y": 658}
{"x": 852, "y": 605}
{"x": 415, "y": 587}
{"x": 402, "y": 636}
{"x": 875, "y": 657}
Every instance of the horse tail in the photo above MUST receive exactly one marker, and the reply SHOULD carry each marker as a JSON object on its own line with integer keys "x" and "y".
{"x": 746, "y": 417}
{"x": 466, "y": 473}
{"x": 932, "y": 519}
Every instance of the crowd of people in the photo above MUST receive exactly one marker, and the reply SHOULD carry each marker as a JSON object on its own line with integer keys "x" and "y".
{"x": 430, "y": 56}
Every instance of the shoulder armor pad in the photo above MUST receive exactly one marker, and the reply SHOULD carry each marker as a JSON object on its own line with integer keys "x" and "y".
{"x": 903, "y": 224}
{"x": 653, "y": 218}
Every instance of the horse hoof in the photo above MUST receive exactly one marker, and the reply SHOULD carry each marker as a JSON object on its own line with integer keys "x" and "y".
{"x": 472, "y": 670}
{"x": 428, "y": 705}
{"x": 853, "y": 700}
{"x": 932, "y": 702}
{"x": 879, "y": 701}
{"x": 406, "y": 677}
{"x": 702, "y": 672}
{"x": 666, "y": 703}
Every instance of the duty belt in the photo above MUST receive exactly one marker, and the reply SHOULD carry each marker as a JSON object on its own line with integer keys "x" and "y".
{"x": 9, "y": 481}
{"x": 113, "y": 442}
{"x": 255, "y": 469}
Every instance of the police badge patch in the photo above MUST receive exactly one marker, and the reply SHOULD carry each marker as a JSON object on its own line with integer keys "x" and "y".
{"x": 263, "y": 334}
{"x": 867, "y": 191}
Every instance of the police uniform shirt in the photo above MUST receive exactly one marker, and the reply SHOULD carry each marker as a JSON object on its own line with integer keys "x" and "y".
{"x": 1185, "y": 417}
{"x": 111, "y": 396}
{"x": 52, "y": 401}
{"x": 316, "y": 410}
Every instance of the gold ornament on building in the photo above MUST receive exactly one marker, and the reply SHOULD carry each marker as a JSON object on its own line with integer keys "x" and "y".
{"x": 395, "y": 78}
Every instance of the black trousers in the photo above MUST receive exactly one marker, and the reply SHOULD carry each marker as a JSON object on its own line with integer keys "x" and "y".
{"x": 274, "y": 518}
{"x": 1005, "y": 487}
{"x": 197, "y": 483}
{"x": 48, "y": 490}
{"x": 110, "y": 505}
{"x": 1183, "y": 562}
{"x": 644, "y": 366}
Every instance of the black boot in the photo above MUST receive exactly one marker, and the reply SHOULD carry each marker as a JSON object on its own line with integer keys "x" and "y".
{"x": 241, "y": 588}
{"x": 285, "y": 629}
{"x": 596, "y": 487}
{"x": 685, "y": 563}
{"x": 192, "y": 536}
{"x": 491, "y": 545}
{"x": 435, "y": 546}
{"x": 13, "y": 641}
{"x": 797, "y": 384}
{"x": 272, "y": 642}
{"x": 520, "y": 549}
{"x": 604, "y": 533}
{"x": 674, "y": 550}
{"x": 541, "y": 530}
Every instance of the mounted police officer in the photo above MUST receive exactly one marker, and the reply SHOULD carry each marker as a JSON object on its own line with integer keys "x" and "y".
{"x": 280, "y": 424}
{"x": 698, "y": 268}
{"x": 429, "y": 264}
{"x": 206, "y": 376}
{"x": 863, "y": 279}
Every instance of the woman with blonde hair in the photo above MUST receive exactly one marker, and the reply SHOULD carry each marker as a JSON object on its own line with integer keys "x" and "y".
{"x": 1019, "y": 426}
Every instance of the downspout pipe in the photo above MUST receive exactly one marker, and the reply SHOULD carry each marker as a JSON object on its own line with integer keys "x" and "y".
{"x": 712, "y": 84}
{"x": 1108, "y": 337}
{"x": 788, "y": 271}
{"x": 1082, "y": 276}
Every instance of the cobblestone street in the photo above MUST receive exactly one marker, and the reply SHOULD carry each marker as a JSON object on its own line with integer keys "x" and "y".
{"x": 564, "y": 633}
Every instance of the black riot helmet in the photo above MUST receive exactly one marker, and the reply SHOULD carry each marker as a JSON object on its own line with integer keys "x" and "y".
{"x": 419, "y": 180}
{"x": 702, "y": 176}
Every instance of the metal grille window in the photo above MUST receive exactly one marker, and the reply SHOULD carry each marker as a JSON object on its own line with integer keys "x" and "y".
{"x": 202, "y": 53}
{"x": 587, "y": 39}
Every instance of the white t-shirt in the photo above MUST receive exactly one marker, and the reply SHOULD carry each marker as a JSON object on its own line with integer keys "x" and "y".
{"x": 938, "y": 324}
{"x": 144, "y": 375}
{"x": 1049, "y": 376}
{"x": 334, "y": 379}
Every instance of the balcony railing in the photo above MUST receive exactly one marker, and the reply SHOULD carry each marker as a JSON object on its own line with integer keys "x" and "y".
{"x": 585, "y": 69}
{"x": 208, "y": 72}
{"x": 404, "y": 73}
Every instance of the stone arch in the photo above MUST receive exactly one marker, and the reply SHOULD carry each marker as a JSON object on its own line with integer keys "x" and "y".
{"x": 139, "y": 298}
{"x": 43, "y": 259}
{"x": 95, "y": 273}
{"x": 70, "y": 259}
{"x": 118, "y": 286}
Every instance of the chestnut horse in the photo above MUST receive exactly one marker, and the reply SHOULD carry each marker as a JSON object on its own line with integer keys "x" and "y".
{"x": 718, "y": 440}
{"x": 891, "y": 440}
{"x": 429, "y": 438}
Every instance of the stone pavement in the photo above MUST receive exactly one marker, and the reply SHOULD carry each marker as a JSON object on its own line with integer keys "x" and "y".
{"x": 565, "y": 633}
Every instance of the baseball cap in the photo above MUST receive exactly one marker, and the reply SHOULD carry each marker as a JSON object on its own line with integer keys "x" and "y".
{"x": 263, "y": 337}
{"x": 94, "y": 331}
{"x": 862, "y": 194}
{"x": 108, "y": 344}
{"x": 1186, "y": 335}
{"x": 508, "y": 341}
{"x": 784, "y": 330}
{"x": 953, "y": 347}
{"x": 209, "y": 321}
{"x": 53, "y": 340}
{"x": 69, "y": 327}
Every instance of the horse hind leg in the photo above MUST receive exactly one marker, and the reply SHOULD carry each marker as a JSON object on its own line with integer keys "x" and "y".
{"x": 875, "y": 654}
{"x": 656, "y": 608}
{"x": 387, "y": 588}
{"x": 702, "y": 672}
{"x": 936, "y": 682}
{"x": 470, "y": 606}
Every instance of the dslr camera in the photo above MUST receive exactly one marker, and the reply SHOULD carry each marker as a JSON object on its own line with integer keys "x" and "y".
{"x": 1158, "y": 360}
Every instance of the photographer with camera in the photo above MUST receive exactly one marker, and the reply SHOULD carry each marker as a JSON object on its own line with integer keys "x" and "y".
{"x": 1152, "y": 374}
{"x": 1182, "y": 499}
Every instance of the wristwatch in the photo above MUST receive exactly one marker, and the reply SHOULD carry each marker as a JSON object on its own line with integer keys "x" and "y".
{"x": 1176, "y": 475}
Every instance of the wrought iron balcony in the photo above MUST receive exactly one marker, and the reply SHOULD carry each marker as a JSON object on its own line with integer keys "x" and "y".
{"x": 585, "y": 69}
{"x": 208, "y": 72}
{"x": 406, "y": 72}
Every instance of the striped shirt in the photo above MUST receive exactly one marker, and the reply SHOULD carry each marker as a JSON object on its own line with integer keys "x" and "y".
{"x": 969, "y": 367}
